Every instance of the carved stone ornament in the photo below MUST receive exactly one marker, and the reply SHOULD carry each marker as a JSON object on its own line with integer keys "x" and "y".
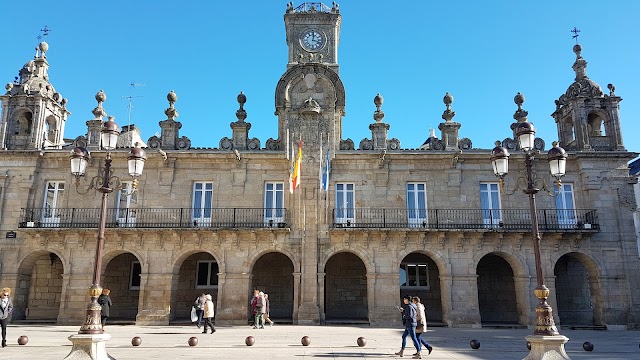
{"x": 465, "y": 144}
{"x": 437, "y": 144}
{"x": 80, "y": 141}
{"x": 538, "y": 144}
{"x": 346, "y": 144}
{"x": 393, "y": 144}
{"x": 253, "y": 144}
{"x": 509, "y": 144}
{"x": 366, "y": 144}
{"x": 183, "y": 143}
{"x": 154, "y": 142}
{"x": 581, "y": 88}
{"x": 273, "y": 144}
{"x": 226, "y": 144}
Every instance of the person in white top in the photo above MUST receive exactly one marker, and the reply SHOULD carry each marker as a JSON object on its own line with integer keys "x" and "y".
{"x": 208, "y": 314}
{"x": 422, "y": 324}
{"x": 6, "y": 308}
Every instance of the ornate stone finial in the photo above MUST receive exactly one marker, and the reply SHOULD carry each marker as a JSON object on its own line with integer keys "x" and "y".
{"x": 241, "y": 114}
{"x": 310, "y": 106}
{"x": 448, "y": 114}
{"x": 580, "y": 66}
{"x": 520, "y": 114}
{"x": 43, "y": 47}
{"x": 8, "y": 87}
{"x": 171, "y": 111}
{"x": 378, "y": 115}
{"x": 63, "y": 102}
{"x": 99, "y": 112}
{"x": 612, "y": 89}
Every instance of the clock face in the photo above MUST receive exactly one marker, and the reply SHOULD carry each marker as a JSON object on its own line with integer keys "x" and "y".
{"x": 312, "y": 40}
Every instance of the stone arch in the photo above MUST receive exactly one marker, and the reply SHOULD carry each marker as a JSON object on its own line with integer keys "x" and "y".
{"x": 596, "y": 123}
{"x": 39, "y": 286}
{"x": 272, "y": 272}
{"x": 346, "y": 288}
{"x": 185, "y": 286}
{"x": 51, "y": 129}
{"x": 579, "y": 293}
{"x": 24, "y": 121}
{"x": 516, "y": 261}
{"x": 434, "y": 297}
{"x": 361, "y": 253}
{"x": 296, "y": 71}
{"x": 498, "y": 282}
{"x": 256, "y": 254}
{"x": 121, "y": 275}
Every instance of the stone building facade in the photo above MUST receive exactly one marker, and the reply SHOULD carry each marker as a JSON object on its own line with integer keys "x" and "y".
{"x": 431, "y": 222}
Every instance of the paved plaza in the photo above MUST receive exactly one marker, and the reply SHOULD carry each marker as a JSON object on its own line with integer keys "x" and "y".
{"x": 327, "y": 342}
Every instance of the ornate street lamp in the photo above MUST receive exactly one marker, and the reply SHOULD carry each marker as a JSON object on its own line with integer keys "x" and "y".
{"x": 546, "y": 332}
{"x": 105, "y": 183}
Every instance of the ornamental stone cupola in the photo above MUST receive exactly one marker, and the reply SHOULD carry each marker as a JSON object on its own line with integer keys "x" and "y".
{"x": 169, "y": 138}
{"x": 33, "y": 113}
{"x": 587, "y": 119}
{"x": 310, "y": 96}
{"x": 313, "y": 34}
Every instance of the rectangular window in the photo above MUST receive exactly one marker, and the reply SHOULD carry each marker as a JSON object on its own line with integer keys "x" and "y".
{"x": 53, "y": 198}
{"x": 273, "y": 203}
{"x": 417, "y": 204}
{"x": 134, "y": 278}
{"x": 207, "y": 274}
{"x": 490, "y": 204}
{"x": 414, "y": 276}
{"x": 565, "y": 206}
{"x": 202, "y": 203}
{"x": 126, "y": 216}
{"x": 345, "y": 201}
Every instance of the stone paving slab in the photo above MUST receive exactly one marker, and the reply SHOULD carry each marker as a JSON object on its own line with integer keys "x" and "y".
{"x": 327, "y": 342}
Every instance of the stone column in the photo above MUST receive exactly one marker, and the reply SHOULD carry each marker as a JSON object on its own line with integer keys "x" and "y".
{"x": 296, "y": 296}
{"x": 233, "y": 306}
{"x": 384, "y": 291}
{"x": 524, "y": 292}
{"x": 465, "y": 311}
{"x": 445, "y": 298}
{"x": 154, "y": 304}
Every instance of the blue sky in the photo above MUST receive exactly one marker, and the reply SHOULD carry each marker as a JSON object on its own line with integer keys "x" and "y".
{"x": 412, "y": 52}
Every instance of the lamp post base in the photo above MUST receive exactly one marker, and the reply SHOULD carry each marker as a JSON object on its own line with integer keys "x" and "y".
{"x": 89, "y": 347}
{"x": 547, "y": 347}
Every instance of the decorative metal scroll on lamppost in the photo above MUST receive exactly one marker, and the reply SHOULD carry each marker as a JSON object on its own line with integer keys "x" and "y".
{"x": 105, "y": 182}
{"x": 525, "y": 132}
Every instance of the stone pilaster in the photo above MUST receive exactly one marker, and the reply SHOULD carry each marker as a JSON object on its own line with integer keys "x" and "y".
{"x": 465, "y": 311}
{"x": 233, "y": 306}
{"x": 154, "y": 304}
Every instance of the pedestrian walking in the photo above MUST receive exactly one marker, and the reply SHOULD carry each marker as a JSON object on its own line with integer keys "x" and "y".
{"x": 208, "y": 314}
{"x": 6, "y": 308}
{"x": 254, "y": 303}
{"x": 267, "y": 310}
{"x": 260, "y": 308}
{"x": 422, "y": 324}
{"x": 410, "y": 321}
{"x": 105, "y": 302}
{"x": 199, "y": 306}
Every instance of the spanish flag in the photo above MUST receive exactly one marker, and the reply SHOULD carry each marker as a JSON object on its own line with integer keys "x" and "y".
{"x": 297, "y": 168}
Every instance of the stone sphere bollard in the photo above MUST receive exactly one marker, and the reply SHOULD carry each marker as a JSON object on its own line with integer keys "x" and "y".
{"x": 23, "y": 340}
{"x": 305, "y": 341}
{"x": 136, "y": 341}
{"x": 193, "y": 341}
{"x": 587, "y": 346}
{"x": 250, "y": 340}
{"x": 528, "y": 345}
{"x": 362, "y": 341}
{"x": 475, "y": 344}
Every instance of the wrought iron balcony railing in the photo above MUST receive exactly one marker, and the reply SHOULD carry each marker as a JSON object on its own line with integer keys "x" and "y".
{"x": 155, "y": 218}
{"x": 549, "y": 220}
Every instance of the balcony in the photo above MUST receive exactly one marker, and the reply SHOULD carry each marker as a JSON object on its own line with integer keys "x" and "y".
{"x": 513, "y": 220}
{"x": 208, "y": 218}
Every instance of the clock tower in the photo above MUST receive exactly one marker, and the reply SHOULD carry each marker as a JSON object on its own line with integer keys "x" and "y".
{"x": 313, "y": 33}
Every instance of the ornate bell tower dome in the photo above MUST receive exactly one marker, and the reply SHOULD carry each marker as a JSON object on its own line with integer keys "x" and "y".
{"x": 33, "y": 113}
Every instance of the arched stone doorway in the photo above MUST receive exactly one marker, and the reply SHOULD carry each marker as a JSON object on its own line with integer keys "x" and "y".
{"x": 419, "y": 276}
{"x": 122, "y": 277}
{"x": 345, "y": 290}
{"x": 273, "y": 274}
{"x": 496, "y": 291}
{"x": 39, "y": 287}
{"x": 198, "y": 274}
{"x": 576, "y": 284}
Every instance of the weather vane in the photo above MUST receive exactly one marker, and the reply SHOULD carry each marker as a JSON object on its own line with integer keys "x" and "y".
{"x": 575, "y": 32}
{"x": 44, "y": 34}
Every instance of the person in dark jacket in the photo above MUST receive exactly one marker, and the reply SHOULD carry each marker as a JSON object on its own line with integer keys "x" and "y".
{"x": 6, "y": 308}
{"x": 105, "y": 301}
{"x": 410, "y": 321}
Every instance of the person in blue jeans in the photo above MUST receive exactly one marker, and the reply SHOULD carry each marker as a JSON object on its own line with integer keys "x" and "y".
{"x": 422, "y": 324}
{"x": 410, "y": 321}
